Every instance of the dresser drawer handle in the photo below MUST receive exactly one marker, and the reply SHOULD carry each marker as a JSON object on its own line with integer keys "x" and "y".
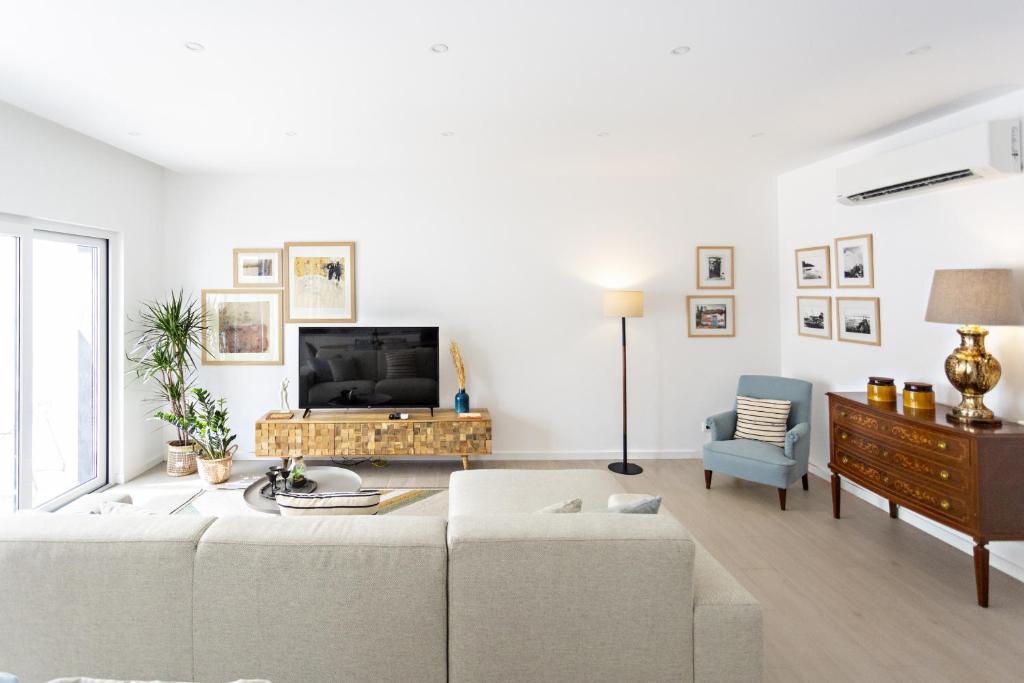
{"x": 941, "y": 445}
{"x": 844, "y": 459}
{"x": 944, "y": 475}
{"x": 844, "y": 436}
{"x": 944, "y": 504}
{"x": 841, "y": 413}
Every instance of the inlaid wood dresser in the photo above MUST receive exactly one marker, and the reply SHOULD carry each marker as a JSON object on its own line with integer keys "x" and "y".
{"x": 968, "y": 478}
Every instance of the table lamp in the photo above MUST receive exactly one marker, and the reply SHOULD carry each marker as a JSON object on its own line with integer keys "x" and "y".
{"x": 972, "y": 298}
{"x": 620, "y": 304}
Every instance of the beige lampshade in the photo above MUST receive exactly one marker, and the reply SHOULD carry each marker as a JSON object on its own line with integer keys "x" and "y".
{"x": 974, "y": 296}
{"x": 620, "y": 304}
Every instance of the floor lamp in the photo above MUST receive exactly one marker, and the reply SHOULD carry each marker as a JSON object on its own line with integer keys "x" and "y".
{"x": 618, "y": 304}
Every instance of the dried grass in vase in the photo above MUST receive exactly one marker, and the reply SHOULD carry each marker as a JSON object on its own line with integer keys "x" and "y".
{"x": 460, "y": 368}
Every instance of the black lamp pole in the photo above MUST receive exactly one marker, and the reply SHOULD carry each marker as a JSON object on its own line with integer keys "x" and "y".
{"x": 624, "y": 467}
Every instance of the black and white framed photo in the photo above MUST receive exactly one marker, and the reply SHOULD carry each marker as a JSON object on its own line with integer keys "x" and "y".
{"x": 711, "y": 316}
{"x": 858, "y": 320}
{"x": 813, "y": 268}
{"x": 715, "y": 268}
{"x": 814, "y": 316}
{"x": 855, "y": 262}
{"x": 257, "y": 267}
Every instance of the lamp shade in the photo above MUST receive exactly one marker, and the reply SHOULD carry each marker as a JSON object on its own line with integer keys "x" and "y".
{"x": 974, "y": 296}
{"x": 621, "y": 304}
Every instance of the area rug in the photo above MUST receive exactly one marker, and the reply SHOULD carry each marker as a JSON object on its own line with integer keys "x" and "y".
{"x": 431, "y": 502}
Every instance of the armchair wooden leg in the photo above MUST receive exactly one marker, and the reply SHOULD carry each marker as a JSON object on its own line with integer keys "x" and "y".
{"x": 782, "y": 499}
{"x": 804, "y": 480}
{"x": 707, "y": 479}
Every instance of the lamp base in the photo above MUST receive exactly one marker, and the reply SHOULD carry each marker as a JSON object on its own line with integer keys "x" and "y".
{"x": 625, "y": 468}
{"x": 973, "y": 371}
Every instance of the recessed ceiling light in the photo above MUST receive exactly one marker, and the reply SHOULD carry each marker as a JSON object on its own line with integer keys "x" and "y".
{"x": 603, "y": 134}
{"x": 919, "y": 50}
{"x": 448, "y": 133}
{"x": 291, "y": 133}
{"x": 134, "y": 133}
{"x": 681, "y": 50}
{"x": 759, "y": 134}
{"x": 439, "y": 48}
{"x": 194, "y": 46}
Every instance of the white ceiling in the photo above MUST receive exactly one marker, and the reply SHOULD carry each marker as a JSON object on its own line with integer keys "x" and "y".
{"x": 526, "y": 85}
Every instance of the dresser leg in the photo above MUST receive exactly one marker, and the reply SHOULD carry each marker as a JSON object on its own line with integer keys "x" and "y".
{"x": 981, "y": 572}
{"x": 835, "y": 496}
{"x": 894, "y": 510}
{"x": 465, "y": 462}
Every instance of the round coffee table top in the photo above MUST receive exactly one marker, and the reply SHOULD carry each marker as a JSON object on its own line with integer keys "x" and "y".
{"x": 328, "y": 479}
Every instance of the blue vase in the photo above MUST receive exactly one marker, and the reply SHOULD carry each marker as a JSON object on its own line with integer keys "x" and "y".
{"x": 462, "y": 401}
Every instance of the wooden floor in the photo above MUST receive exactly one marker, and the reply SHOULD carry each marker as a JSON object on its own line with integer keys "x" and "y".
{"x": 863, "y": 598}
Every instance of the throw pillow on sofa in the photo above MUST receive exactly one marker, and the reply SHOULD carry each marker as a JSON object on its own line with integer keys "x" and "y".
{"x": 573, "y": 505}
{"x": 334, "y": 503}
{"x": 343, "y": 369}
{"x": 401, "y": 364}
{"x": 634, "y": 504}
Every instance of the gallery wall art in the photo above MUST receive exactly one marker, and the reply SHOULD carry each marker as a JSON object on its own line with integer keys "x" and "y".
{"x": 715, "y": 269}
{"x": 711, "y": 316}
{"x": 814, "y": 316}
{"x": 855, "y": 263}
{"x": 858, "y": 320}
{"x": 244, "y": 327}
{"x": 320, "y": 282}
{"x": 813, "y": 268}
{"x": 257, "y": 267}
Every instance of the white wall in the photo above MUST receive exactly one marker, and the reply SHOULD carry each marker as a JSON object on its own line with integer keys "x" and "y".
{"x": 977, "y": 225}
{"x": 513, "y": 268}
{"x": 48, "y": 172}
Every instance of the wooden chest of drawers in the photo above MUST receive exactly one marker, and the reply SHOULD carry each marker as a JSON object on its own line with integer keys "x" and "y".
{"x": 970, "y": 479}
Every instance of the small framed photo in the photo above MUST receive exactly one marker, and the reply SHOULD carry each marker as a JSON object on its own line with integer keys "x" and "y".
{"x": 814, "y": 316}
{"x": 244, "y": 327}
{"x": 813, "y": 268}
{"x": 858, "y": 320}
{"x": 257, "y": 267}
{"x": 855, "y": 262}
{"x": 711, "y": 316}
{"x": 715, "y": 268}
{"x": 321, "y": 282}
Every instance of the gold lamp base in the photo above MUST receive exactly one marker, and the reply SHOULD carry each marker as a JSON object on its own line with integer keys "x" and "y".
{"x": 973, "y": 371}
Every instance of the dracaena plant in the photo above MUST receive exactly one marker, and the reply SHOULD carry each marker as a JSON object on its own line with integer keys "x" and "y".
{"x": 206, "y": 422}
{"x": 169, "y": 335}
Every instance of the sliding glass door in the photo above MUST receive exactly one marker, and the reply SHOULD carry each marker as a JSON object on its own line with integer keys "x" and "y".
{"x": 53, "y": 431}
{"x": 9, "y": 343}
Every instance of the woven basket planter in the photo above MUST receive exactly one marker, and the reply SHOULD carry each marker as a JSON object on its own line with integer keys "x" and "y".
{"x": 181, "y": 460}
{"x": 215, "y": 471}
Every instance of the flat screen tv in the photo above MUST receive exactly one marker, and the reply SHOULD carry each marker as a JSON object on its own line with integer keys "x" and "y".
{"x": 368, "y": 367}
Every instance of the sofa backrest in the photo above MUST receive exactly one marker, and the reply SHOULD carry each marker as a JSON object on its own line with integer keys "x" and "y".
{"x": 297, "y": 600}
{"x": 569, "y": 597}
{"x": 99, "y": 596}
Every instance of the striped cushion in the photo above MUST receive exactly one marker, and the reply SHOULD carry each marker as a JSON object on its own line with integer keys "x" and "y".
{"x": 762, "y": 419}
{"x": 401, "y": 364}
{"x": 336, "y": 503}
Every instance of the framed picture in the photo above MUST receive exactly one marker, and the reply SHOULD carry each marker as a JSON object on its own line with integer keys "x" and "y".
{"x": 858, "y": 320}
{"x": 257, "y": 267}
{"x": 711, "y": 316}
{"x": 813, "y": 268}
{"x": 715, "y": 268}
{"x": 814, "y": 316}
{"x": 321, "y": 282}
{"x": 244, "y": 327}
{"x": 855, "y": 262}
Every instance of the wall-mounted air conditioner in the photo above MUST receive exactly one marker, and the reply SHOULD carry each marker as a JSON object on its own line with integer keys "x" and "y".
{"x": 985, "y": 150}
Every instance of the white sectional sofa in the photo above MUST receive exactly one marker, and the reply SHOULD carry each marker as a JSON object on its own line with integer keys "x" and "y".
{"x": 496, "y": 594}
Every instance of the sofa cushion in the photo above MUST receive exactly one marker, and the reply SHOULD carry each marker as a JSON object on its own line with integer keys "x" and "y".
{"x": 566, "y": 506}
{"x": 750, "y": 460}
{"x": 371, "y": 591}
{"x": 648, "y": 505}
{"x": 762, "y": 419}
{"x": 490, "y": 492}
{"x": 340, "y": 503}
{"x": 103, "y": 595}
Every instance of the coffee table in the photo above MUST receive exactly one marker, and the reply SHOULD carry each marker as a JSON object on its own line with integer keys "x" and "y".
{"x": 327, "y": 478}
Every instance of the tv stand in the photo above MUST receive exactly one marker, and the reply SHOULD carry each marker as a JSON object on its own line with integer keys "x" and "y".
{"x": 309, "y": 411}
{"x": 369, "y": 433}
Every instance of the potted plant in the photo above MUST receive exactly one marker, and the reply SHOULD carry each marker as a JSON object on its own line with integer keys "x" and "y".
{"x": 169, "y": 334}
{"x": 298, "y": 474}
{"x": 206, "y": 423}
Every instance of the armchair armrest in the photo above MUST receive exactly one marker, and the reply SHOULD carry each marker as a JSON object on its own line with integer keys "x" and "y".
{"x": 722, "y": 425}
{"x": 793, "y": 436}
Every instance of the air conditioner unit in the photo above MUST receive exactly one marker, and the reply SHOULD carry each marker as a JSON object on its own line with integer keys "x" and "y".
{"x": 985, "y": 150}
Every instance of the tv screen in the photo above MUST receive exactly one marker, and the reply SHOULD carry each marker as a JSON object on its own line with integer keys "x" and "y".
{"x": 368, "y": 367}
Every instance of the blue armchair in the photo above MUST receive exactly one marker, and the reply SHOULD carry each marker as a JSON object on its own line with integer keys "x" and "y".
{"x": 755, "y": 460}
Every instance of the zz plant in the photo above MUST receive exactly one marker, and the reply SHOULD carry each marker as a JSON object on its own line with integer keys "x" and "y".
{"x": 206, "y": 422}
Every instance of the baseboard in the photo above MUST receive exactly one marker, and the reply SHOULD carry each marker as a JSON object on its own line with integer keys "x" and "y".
{"x": 944, "y": 534}
{"x": 549, "y": 455}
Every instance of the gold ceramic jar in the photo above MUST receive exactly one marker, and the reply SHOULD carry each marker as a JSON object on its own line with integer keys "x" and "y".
{"x": 918, "y": 396}
{"x": 882, "y": 389}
